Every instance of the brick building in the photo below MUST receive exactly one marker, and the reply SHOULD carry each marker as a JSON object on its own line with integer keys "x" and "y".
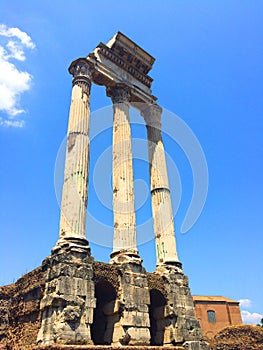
{"x": 215, "y": 313}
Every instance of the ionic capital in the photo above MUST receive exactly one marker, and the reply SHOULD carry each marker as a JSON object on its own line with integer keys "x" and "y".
{"x": 152, "y": 115}
{"x": 119, "y": 93}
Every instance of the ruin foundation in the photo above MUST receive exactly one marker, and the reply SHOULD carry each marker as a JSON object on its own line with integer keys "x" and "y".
{"x": 98, "y": 304}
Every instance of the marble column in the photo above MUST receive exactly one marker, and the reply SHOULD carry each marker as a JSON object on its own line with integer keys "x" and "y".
{"x": 132, "y": 328}
{"x": 124, "y": 241}
{"x": 75, "y": 188}
{"x": 68, "y": 301}
{"x": 160, "y": 193}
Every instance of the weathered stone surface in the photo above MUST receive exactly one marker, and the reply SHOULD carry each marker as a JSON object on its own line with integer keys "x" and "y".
{"x": 140, "y": 319}
{"x": 160, "y": 193}
{"x": 180, "y": 326}
{"x": 123, "y": 61}
{"x": 248, "y": 337}
{"x": 68, "y": 302}
{"x": 138, "y": 336}
{"x": 122, "y": 172}
{"x": 196, "y": 345}
{"x": 4, "y": 311}
{"x": 75, "y": 187}
{"x": 112, "y": 307}
{"x": 19, "y": 310}
{"x": 133, "y": 325}
{"x": 104, "y": 271}
{"x": 103, "y": 347}
{"x": 24, "y": 310}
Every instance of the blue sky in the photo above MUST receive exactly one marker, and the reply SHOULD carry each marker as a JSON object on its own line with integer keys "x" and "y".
{"x": 208, "y": 71}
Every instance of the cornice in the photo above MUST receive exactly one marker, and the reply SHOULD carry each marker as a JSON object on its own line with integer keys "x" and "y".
{"x": 125, "y": 64}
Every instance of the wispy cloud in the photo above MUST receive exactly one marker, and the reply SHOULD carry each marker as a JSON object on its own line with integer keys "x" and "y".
{"x": 14, "y": 123}
{"x": 13, "y": 81}
{"x": 245, "y": 302}
{"x": 250, "y": 318}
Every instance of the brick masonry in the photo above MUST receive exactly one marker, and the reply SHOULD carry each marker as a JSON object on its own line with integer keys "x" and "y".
{"x": 226, "y": 312}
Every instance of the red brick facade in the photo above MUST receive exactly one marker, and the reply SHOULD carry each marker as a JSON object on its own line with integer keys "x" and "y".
{"x": 215, "y": 313}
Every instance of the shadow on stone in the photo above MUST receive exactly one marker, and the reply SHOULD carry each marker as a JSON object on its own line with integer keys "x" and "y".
{"x": 156, "y": 312}
{"x": 104, "y": 315}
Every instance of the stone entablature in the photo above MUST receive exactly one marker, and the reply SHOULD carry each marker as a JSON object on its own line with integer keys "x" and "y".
{"x": 128, "y": 56}
{"x": 131, "y": 52}
{"x": 123, "y": 61}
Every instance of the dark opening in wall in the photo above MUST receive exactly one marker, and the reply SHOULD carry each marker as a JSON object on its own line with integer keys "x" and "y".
{"x": 157, "y": 320}
{"x": 104, "y": 315}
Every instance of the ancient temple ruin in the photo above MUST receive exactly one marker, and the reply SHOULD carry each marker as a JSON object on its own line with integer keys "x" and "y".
{"x": 119, "y": 303}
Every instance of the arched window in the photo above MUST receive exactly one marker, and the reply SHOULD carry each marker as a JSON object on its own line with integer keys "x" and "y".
{"x": 211, "y": 316}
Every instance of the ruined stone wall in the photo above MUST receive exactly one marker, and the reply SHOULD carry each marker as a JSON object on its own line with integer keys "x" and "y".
{"x": 20, "y": 306}
{"x": 20, "y": 312}
{"x": 103, "y": 271}
{"x": 103, "y": 347}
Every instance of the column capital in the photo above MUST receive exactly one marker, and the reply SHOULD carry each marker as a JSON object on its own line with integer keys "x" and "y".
{"x": 80, "y": 67}
{"x": 82, "y": 73}
{"x": 152, "y": 115}
{"x": 119, "y": 93}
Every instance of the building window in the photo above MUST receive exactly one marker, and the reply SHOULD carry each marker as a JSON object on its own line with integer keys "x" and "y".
{"x": 211, "y": 316}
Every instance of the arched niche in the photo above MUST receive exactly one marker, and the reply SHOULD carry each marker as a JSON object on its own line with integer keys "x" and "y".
{"x": 157, "y": 316}
{"x": 105, "y": 314}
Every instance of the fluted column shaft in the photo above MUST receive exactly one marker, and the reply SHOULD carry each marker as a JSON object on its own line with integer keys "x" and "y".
{"x": 75, "y": 188}
{"x": 122, "y": 173}
{"x": 160, "y": 193}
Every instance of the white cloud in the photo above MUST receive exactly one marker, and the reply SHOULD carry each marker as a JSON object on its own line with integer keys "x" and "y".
{"x": 15, "y": 51}
{"x": 13, "y": 81}
{"x": 250, "y": 318}
{"x": 17, "y": 33}
{"x": 14, "y": 123}
{"x": 245, "y": 302}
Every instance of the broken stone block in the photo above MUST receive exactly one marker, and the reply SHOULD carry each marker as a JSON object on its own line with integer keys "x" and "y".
{"x": 138, "y": 336}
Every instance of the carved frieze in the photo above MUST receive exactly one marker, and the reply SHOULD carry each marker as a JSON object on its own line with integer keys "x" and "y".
{"x": 125, "y": 64}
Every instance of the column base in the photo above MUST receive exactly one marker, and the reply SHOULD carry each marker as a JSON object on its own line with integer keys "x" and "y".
{"x": 72, "y": 242}
{"x": 126, "y": 256}
{"x": 167, "y": 263}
